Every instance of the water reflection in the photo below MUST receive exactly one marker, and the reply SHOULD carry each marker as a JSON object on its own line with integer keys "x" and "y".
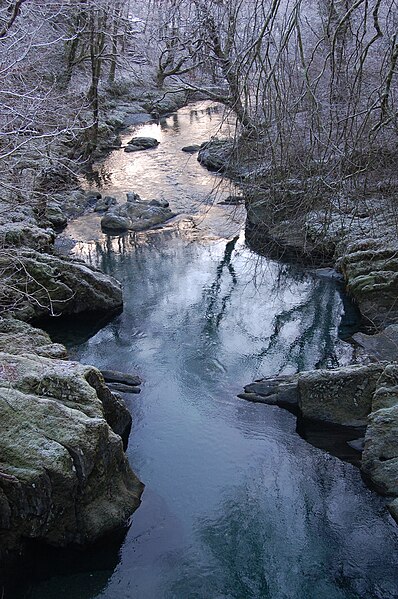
{"x": 166, "y": 172}
{"x": 236, "y": 505}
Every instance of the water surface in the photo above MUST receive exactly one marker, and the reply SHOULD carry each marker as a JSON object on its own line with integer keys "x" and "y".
{"x": 236, "y": 505}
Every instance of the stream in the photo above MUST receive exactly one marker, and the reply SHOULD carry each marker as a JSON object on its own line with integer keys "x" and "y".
{"x": 237, "y": 505}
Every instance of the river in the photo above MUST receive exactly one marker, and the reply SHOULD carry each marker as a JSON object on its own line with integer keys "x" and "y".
{"x": 236, "y": 504}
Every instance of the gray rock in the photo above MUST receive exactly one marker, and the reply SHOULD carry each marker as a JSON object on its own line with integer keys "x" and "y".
{"x": 381, "y": 346}
{"x": 19, "y": 234}
{"x": 55, "y": 216}
{"x": 93, "y": 196}
{"x": 380, "y": 454}
{"x": 164, "y": 103}
{"x": 386, "y": 393}
{"x": 232, "y": 200}
{"x": 114, "y": 376}
{"x": 64, "y": 477}
{"x": 17, "y": 337}
{"x": 115, "y": 222}
{"x": 215, "y": 155}
{"x": 38, "y": 284}
{"x": 191, "y": 149}
{"x": 393, "y": 508}
{"x": 141, "y": 143}
{"x": 161, "y": 203}
{"x": 104, "y": 204}
{"x": 357, "y": 444}
{"x": 133, "y": 197}
{"x": 281, "y": 390}
{"x": 123, "y": 388}
{"x": 341, "y": 396}
{"x": 329, "y": 273}
{"x": 372, "y": 278}
{"x": 136, "y": 216}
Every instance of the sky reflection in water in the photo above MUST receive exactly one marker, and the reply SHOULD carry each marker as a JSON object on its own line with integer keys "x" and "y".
{"x": 236, "y": 505}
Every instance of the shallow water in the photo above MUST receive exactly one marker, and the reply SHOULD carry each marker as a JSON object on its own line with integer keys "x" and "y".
{"x": 236, "y": 505}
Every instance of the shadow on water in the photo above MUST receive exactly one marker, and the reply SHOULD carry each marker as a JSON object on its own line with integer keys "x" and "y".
{"x": 63, "y": 573}
{"x": 332, "y": 438}
{"x": 77, "y": 329}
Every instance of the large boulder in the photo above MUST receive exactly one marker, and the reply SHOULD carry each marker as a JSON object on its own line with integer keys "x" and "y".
{"x": 215, "y": 155}
{"x": 18, "y": 337}
{"x": 380, "y": 346}
{"x": 380, "y": 455}
{"x": 64, "y": 477}
{"x": 19, "y": 234}
{"x": 163, "y": 102}
{"x": 191, "y": 149}
{"x": 372, "y": 278}
{"x": 136, "y": 216}
{"x": 141, "y": 143}
{"x": 340, "y": 396}
{"x": 37, "y": 284}
{"x": 103, "y": 204}
{"x": 280, "y": 390}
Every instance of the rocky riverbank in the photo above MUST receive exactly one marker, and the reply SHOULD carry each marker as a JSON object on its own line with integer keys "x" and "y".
{"x": 64, "y": 477}
{"x": 358, "y": 239}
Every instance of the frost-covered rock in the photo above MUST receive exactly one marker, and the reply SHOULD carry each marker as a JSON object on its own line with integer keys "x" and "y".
{"x": 55, "y": 216}
{"x": 136, "y": 216}
{"x": 372, "y": 278}
{"x": 36, "y": 284}
{"x": 103, "y": 204}
{"x": 64, "y": 477}
{"x": 215, "y": 155}
{"x": 18, "y": 337}
{"x": 380, "y": 455}
{"x": 341, "y": 396}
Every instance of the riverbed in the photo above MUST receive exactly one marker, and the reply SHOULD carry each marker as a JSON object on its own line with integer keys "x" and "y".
{"x": 236, "y": 504}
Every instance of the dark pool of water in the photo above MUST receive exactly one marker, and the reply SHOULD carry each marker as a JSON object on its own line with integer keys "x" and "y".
{"x": 236, "y": 505}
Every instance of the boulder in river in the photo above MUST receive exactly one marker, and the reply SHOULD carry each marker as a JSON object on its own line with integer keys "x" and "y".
{"x": 281, "y": 390}
{"x": 114, "y": 376}
{"x": 103, "y": 204}
{"x": 133, "y": 197}
{"x": 359, "y": 396}
{"x": 161, "y": 203}
{"x": 115, "y": 223}
{"x": 215, "y": 154}
{"x": 341, "y": 396}
{"x": 371, "y": 273}
{"x": 191, "y": 149}
{"x": 382, "y": 345}
{"x": 136, "y": 216}
{"x": 233, "y": 200}
{"x": 141, "y": 143}
{"x": 64, "y": 477}
{"x": 123, "y": 388}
